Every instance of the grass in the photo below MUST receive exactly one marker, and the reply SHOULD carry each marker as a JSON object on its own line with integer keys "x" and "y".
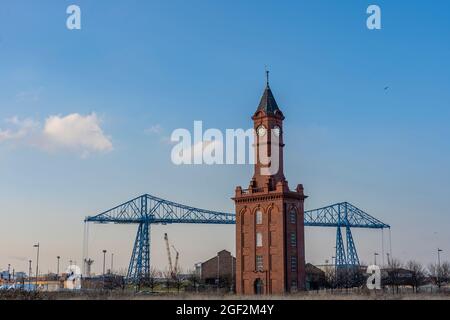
{"x": 119, "y": 295}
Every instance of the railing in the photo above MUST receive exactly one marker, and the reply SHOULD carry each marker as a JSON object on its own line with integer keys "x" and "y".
{"x": 252, "y": 190}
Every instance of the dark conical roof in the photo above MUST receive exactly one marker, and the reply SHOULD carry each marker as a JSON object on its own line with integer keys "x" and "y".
{"x": 268, "y": 103}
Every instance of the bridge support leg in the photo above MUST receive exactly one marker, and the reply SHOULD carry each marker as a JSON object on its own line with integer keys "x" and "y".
{"x": 352, "y": 254}
{"x": 139, "y": 269}
{"x": 341, "y": 260}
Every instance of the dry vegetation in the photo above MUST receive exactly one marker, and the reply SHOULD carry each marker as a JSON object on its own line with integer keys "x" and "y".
{"x": 116, "y": 295}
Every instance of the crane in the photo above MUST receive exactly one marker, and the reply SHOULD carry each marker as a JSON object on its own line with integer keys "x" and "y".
{"x": 166, "y": 239}
{"x": 175, "y": 269}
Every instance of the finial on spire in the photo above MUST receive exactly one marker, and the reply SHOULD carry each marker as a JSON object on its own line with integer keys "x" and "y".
{"x": 267, "y": 76}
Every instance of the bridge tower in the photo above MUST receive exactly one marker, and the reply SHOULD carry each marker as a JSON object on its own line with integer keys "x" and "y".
{"x": 270, "y": 247}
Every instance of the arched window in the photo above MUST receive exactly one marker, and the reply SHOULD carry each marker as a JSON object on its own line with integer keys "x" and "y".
{"x": 293, "y": 217}
{"x": 294, "y": 264}
{"x": 293, "y": 239}
{"x": 259, "y": 263}
{"x": 259, "y": 217}
{"x": 259, "y": 239}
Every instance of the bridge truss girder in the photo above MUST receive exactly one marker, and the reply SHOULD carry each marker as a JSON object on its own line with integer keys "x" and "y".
{"x": 147, "y": 210}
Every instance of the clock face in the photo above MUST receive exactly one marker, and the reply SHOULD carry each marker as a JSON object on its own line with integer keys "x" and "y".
{"x": 261, "y": 131}
{"x": 277, "y": 131}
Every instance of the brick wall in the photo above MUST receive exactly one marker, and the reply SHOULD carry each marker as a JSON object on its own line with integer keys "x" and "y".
{"x": 223, "y": 265}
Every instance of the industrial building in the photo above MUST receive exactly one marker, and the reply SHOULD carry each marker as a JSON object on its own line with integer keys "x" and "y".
{"x": 315, "y": 277}
{"x": 220, "y": 269}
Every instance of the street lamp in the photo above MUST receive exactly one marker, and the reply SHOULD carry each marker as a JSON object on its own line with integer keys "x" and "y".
{"x": 104, "y": 258}
{"x": 57, "y": 265}
{"x": 439, "y": 267}
{"x": 112, "y": 262}
{"x": 37, "y": 262}
{"x": 29, "y": 275}
{"x": 375, "y": 258}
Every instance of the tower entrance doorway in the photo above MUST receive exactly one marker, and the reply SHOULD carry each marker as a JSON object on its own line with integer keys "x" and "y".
{"x": 259, "y": 287}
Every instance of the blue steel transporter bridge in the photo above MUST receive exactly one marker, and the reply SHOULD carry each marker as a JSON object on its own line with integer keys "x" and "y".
{"x": 147, "y": 210}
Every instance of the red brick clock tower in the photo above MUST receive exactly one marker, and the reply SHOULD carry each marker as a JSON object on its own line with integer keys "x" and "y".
{"x": 270, "y": 247}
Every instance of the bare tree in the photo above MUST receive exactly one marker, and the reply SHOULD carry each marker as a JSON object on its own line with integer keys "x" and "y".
{"x": 393, "y": 273}
{"x": 194, "y": 279}
{"x": 167, "y": 274}
{"x": 439, "y": 274}
{"x": 445, "y": 272}
{"x": 330, "y": 276}
{"x": 394, "y": 263}
{"x": 418, "y": 274}
{"x": 178, "y": 279}
{"x": 122, "y": 272}
{"x": 433, "y": 270}
{"x": 151, "y": 280}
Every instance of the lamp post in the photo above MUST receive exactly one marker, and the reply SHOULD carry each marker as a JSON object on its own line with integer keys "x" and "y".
{"x": 439, "y": 268}
{"x": 29, "y": 274}
{"x": 112, "y": 262}
{"x": 104, "y": 257}
{"x": 37, "y": 262}
{"x": 335, "y": 263}
{"x": 375, "y": 258}
{"x": 334, "y": 274}
{"x": 57, "y": 265}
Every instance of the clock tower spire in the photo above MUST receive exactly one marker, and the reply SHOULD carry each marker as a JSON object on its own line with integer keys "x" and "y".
{"x": 268, "y": 125}
{"x": 270, "y": 248}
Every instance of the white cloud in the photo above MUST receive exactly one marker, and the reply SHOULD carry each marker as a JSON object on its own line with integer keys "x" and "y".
{"x": 21, "y": 129}
{"x": 75, "y": 132}
{"x": 155, "y": 129}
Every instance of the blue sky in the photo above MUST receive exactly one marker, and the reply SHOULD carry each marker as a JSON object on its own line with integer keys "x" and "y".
{"x": 145, "y": 68}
